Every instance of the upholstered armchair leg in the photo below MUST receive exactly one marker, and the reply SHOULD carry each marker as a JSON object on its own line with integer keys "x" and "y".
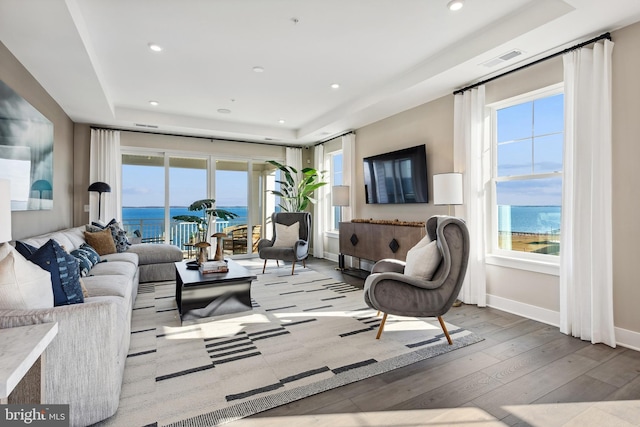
{"x": 293, "y": 267}
{"x": 264, "y": 266}
{"x": 444, "y": 329}
{"x": 381, "y": 327}
{"x": 304, "y": 263}
{"x": 278, "y": 263}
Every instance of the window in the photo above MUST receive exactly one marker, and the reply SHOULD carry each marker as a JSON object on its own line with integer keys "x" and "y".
{"x": 336, "y": 179}
{"x": 527, "y": 175}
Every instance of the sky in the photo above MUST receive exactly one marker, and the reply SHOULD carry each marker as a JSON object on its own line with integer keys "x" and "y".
{"x": 530, "y": 140}
{"x": 141, "y": 186}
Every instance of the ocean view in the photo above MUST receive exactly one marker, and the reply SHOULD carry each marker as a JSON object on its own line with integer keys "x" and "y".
{"x": 529, "y": 219}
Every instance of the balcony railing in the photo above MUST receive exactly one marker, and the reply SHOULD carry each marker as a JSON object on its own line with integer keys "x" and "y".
{"x": 151, "y": 230}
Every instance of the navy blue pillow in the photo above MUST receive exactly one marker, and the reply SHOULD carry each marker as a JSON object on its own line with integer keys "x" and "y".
{"x": 65, "y": 273}
{"x": 25, "y": 249}
{"x": 87, "y": 257}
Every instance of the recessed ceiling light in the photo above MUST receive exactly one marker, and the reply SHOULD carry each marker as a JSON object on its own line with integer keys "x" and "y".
{"x": 224, "y": 111}
{"x": 154, "y": 47}
{"x": 154, "y": 103}
{"x": 335, "y": 86}
{"x": 258, "y": 69}
{"x": 455, "y": 4}
{"x": 281, "y": 121}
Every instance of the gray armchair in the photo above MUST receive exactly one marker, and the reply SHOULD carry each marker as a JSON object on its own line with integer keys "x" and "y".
{"x": 389, "y": 290}
{"x": 298, "y": 251}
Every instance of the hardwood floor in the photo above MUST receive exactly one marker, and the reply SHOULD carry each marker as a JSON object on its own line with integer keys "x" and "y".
{"x": 524, "y": 373}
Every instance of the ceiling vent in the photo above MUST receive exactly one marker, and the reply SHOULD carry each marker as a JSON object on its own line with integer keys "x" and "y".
{"x": 502, "y": 58}
{"x": 140, "y": 125}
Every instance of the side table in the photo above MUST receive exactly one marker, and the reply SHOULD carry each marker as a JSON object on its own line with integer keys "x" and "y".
{"x": 21, "y": 368}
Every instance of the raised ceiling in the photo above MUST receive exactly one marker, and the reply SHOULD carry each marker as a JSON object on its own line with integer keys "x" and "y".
{"x": 93, "y": 57}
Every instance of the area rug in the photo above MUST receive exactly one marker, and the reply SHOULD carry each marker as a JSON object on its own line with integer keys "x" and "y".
{"x": 306, "y": 334}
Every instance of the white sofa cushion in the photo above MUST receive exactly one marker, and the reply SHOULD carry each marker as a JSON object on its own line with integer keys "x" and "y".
{"x": 423, "y": 259}
{"x": 23, "y": 285}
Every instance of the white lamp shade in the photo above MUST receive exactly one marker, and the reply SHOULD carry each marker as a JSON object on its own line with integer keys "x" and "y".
{"x": 447, "y": 189}
{"x": 340, "y": 195}
{"x": 5, "y": 210}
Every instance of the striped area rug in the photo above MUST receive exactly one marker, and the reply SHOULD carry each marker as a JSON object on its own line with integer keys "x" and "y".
{"x": 306, "y": 334}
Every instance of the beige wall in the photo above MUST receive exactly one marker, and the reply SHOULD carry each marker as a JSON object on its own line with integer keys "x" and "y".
{"x": 626, "y": 176}
{"x": 430, "y": 124}
{"x": 28, "y": 223}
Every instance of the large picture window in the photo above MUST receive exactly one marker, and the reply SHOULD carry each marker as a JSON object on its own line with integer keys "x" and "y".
{"x": 527, "y": 174}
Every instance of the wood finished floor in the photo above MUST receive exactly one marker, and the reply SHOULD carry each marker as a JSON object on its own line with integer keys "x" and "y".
{"x": 524, "y": 373}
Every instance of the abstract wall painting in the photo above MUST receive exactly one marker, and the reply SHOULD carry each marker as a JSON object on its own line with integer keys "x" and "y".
{"x": 26, "y": 152}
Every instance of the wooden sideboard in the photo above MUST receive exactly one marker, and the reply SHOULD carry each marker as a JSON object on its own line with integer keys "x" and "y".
{"x": 375, "y": 241}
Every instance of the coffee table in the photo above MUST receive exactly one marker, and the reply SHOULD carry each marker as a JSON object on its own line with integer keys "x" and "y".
{"x": 204, "y": 295}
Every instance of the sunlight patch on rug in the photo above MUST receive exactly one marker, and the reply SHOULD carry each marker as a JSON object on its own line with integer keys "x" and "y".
{"x": 306, "y": 334}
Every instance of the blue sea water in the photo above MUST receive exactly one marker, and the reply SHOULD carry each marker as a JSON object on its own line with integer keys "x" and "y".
{"x": 157, "y": 213}
{"x": 529, "y": 219}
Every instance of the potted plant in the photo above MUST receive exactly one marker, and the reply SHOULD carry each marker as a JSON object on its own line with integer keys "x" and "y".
{"x": 204, "y": 220}
{"x": 296, "y": 196}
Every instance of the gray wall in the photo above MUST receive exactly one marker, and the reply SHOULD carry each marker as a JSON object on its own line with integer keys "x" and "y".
{"x": 28, "y": 223}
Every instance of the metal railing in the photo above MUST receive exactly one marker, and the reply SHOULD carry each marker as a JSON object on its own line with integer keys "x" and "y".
{"x": 151, "y": 230}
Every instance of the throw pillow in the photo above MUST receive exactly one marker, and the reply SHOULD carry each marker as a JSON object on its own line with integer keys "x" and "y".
{"x": 64, "y": 270}
{"x": 87, "y": 257}
{"x": 25, "y": 249}
{"x": 101, "y": 241}
{"x": 23, "y": 285}
{"x": 287, "y": 235}
{"x": 423, "y": 259}
{"x": 119, "y": 235}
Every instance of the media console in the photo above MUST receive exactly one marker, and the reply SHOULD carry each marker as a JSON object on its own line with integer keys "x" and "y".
{"x": 374, "y": 240}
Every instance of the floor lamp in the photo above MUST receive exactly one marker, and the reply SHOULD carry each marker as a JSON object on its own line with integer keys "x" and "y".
{"x": 447, "y": 189}
{"x": 100, "y": 187}
{"x": 340, "y": 197}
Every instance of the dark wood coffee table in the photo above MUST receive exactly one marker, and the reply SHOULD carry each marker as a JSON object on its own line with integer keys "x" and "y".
{"x": 205, "y": 295}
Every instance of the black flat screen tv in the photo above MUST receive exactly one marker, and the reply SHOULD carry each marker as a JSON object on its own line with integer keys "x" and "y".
{"x": 397, "y": 177}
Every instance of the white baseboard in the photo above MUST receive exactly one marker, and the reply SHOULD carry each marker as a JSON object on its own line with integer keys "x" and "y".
{"x": 529, "y": 311}
{"x": 331, "y": 257}
{"x": 628, "y": 339}
{"x": 624, "y": 337}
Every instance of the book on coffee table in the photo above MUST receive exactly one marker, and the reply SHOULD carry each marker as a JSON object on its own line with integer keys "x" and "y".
{"x": 213, "y": 267}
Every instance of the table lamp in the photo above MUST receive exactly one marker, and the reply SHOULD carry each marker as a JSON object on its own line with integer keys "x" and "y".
{"x": 100, "y": 187}
{"x": 447, "y": 189}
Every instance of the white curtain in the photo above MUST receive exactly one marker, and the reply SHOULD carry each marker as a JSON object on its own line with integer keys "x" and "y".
{"x": 348, "y": 172}
{"x": 471, "y": 156}
{"x": 321, "y": 207}
{"x": 586, "y": 276}
{"x": 105, "y": 166}
{"x": 293, "y": 158}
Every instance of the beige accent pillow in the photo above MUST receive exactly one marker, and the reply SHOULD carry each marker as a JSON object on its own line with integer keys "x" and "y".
{"x": 23, "y": 284}
{"x": 287, "y": 235}
{"x": 85, "y": 292}
{"x": 423, "y": 259}
{"x": 101, "y": 241}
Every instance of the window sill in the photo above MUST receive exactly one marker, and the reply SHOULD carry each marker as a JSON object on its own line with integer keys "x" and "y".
{"x": 550, "y": 268}
{"x": 333, "y": 234}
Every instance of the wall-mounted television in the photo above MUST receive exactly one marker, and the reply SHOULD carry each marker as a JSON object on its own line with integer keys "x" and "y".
{"x": 397, "y": 177}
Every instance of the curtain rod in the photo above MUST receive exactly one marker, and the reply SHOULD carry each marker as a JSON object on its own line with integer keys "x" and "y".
{"x": 553, "y": 55}
{"x": 334, "y": 137}
{"x": 195, "y": 136}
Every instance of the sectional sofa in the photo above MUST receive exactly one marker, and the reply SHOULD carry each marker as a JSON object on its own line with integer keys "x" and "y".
{"x": 84, "y": 364}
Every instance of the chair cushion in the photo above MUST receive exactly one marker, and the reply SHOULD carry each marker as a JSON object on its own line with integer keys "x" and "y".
{"x": 423, "y": 259}
{"x": 23, "y": 285}
{"x": 286, "y": 235}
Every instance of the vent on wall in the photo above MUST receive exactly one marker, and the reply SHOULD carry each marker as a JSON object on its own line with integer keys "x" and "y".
{"x": 502, "y": 58}
{"x": 140, "y": 125}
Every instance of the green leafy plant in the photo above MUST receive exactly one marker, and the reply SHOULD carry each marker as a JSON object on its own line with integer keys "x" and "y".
{"x": 208, "y": 214}
{"x": 295, "y": 195}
